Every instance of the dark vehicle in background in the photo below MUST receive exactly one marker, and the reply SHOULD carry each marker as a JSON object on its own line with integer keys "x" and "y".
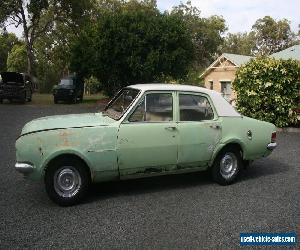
{"x": 70, "y": 89}
{"x": 14, "y": 85}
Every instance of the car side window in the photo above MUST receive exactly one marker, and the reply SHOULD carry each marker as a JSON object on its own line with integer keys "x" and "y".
{"x": 194, "y": 108}
{"x": 155, "y": 107}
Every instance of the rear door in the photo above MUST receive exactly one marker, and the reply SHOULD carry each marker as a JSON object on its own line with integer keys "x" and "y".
{"x": 199, "y": 130}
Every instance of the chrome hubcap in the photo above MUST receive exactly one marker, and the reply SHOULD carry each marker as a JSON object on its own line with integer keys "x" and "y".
{"x": 67, "y": 181}
{"x": 228, "y": 165}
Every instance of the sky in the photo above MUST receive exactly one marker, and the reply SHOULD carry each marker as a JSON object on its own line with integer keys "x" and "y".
{"x": 240, "y": 15}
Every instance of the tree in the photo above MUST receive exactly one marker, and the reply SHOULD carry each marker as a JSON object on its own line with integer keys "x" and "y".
{"x": 16, "y": 60}
{"x": 206, "y": 32}
{"x": 239, "y": 43}
{"x": 7, "y": 41}
{"x": 133, "y": 45}
{"x": 271, "y": 35}
{"x": 52, "y": 55}
{"x": 207, "y": 37}
{"x": 29, "y": 14}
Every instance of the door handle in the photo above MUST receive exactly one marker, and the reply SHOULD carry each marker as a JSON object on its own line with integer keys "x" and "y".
{"x": 170, "y": 128}
{"x": 215, "y": 126}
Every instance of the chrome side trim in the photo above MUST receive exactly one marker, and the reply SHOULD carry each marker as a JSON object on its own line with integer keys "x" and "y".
{"x": 24, "y": 168}
{"x": 272, "y": 145}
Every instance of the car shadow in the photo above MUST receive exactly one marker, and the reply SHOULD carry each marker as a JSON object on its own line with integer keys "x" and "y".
{"x": 148, "y": 185}
{"x": 261, "y": 168}
{"x": 141, "y": 186}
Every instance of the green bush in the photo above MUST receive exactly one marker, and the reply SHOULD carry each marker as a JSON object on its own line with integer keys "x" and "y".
{"x": 268, "y": 89}
{"x": 92, "y": 85}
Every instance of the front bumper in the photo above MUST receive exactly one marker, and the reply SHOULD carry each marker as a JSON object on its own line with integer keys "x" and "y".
{"x": 272, "y": 145}
{"x": 24, "y": 168}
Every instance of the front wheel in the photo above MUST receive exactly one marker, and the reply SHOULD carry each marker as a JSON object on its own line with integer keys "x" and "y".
{"x": 227, "y": 166}
{"x": 67, "y": 182}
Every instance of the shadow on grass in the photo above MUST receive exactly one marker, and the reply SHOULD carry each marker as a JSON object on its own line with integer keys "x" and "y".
{"x": 47, "y": 99}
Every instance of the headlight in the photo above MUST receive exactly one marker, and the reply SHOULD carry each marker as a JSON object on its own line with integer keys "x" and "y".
{"x": 71, "y": 91}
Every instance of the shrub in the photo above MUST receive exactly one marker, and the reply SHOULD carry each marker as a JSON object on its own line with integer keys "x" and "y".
{"x": 268, "y": 89}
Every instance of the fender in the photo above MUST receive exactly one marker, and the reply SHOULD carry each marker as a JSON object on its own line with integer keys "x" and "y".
{"x": 69, "y": 151}
{"x": 223, "y": 144}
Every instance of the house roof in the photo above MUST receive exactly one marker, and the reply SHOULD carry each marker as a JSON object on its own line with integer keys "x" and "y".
{"x": 222, "y": 107}
{"x": 235, "y": 59}
{"x": 289, "y": 53}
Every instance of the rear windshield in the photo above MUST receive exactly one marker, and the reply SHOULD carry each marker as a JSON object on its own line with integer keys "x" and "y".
{"x": 66, "y": 82}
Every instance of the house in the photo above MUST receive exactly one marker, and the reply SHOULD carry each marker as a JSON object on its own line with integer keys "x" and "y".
{"x": 221, "y": 73}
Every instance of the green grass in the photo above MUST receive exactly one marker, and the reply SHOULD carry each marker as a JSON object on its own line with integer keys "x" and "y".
{"x": 47, "y": 99}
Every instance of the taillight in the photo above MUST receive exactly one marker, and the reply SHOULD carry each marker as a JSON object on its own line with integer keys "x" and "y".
{"x": 273, "y": 137}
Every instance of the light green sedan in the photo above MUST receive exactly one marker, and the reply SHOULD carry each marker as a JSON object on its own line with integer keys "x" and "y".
{"x": 146, "y": 130}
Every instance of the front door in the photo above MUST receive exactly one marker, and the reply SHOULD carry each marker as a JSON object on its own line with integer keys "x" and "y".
{"x": 199, "y": 130}
{"x": 147, "y": 140}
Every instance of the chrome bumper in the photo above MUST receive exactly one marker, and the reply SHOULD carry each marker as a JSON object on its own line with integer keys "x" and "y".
{"x": 24, "y": 168}
{"x": 272, "y": 145}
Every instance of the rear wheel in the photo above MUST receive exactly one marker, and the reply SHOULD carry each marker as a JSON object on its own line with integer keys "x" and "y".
{"x": 55, "y": 100}
{"x": 24, "y": 97}
{"x": 67, "y": 181}
{"x": 29, "y": 98}
{"x": 227, "y": 166}
{"x": 74, "y": 99}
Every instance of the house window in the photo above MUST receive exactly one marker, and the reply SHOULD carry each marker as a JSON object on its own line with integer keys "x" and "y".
{"x": 211, "y": 85}
{"x": 226, "y": 90}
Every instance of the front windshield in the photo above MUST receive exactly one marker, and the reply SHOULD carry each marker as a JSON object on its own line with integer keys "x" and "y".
{"x": 120, "y": 103}
{"x": 66, "y": 82}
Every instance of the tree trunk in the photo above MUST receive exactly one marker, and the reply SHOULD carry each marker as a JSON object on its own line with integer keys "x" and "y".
{"x": 30, "y": 59}
{"x": 28, "y": 42}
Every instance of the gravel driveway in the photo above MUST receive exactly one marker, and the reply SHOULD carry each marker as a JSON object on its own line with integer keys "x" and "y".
{"x": 173, "y": 212}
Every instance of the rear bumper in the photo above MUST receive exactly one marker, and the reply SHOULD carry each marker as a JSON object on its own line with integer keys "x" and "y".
{"x": 272, "y": 145}
{"x": 24, "y": 168}
{"x": 64, "y": 96}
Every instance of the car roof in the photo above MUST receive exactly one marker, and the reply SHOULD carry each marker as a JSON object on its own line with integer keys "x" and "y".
{"x": 223, "y": 108}
{"x": 170, "y": 87}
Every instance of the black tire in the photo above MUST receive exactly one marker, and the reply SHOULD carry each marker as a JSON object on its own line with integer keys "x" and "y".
{"x": 227, "y": 165}
{"x": 74, "y": 99}
{"x": 63, "y": 174}
{"x": 55, "y": 100}
{"x": 24, "y": 98}
{"x": 30, "y": 97}
{"x": 81, "y": 98}
{"x": 1, "y": 100}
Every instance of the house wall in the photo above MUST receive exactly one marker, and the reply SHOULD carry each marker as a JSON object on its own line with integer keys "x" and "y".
{"x": 217, "y": 75}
